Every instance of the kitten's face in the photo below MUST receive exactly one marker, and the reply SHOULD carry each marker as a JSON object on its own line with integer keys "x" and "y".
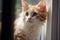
{"x": 34, "y": 14}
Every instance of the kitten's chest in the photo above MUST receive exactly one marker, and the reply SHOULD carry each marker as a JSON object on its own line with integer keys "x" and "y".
{"x": 33, "y": 33}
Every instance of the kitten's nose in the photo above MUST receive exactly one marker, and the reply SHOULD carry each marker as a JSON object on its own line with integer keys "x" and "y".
{"x": 29, "y": 20}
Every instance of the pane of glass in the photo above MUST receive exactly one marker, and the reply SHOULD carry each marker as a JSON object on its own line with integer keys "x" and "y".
{"x": 31, "y": 21}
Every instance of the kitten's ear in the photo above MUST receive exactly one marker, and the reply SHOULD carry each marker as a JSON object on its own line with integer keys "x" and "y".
{"x": 42, "y": 5}
{"x": 24, "y": 5}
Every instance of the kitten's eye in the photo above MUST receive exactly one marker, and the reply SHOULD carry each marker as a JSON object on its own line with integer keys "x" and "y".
{"x": 34, "y": 14}
{"x": 26, "y": 13}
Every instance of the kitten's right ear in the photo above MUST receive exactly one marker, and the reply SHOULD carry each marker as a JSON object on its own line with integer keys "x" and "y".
{"x": 24, "y": 5}
{"x": 42, "y": 5}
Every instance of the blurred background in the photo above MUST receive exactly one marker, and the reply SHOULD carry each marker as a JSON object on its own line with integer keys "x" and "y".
{"x": 0, "y": 12}
{"x": 0, "y": 9}
{"x": 0, "y": 15}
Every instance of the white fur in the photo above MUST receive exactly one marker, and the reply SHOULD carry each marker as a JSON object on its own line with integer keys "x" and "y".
{"x": 33, "y": 30}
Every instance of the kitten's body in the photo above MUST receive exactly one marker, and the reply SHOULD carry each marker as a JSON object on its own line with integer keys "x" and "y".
{"x": 33, "y": 32}
{"x": 30, "y": 25}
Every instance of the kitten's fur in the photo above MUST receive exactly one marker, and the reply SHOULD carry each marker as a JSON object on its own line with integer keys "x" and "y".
{"x": 31, "y": 21}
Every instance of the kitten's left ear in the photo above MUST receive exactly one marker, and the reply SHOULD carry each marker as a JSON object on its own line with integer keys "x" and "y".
{"x": 42, "y": 5}
{"x": 24, "y": 5}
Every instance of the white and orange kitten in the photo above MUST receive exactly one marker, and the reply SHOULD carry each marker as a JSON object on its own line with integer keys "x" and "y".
{"x": 31, "y": 21}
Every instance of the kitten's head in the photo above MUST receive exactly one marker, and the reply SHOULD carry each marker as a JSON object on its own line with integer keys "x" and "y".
{"x": 34, "y": 13}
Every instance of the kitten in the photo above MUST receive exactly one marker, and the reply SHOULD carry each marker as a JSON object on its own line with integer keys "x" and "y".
{"x": 31, "y": 21}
